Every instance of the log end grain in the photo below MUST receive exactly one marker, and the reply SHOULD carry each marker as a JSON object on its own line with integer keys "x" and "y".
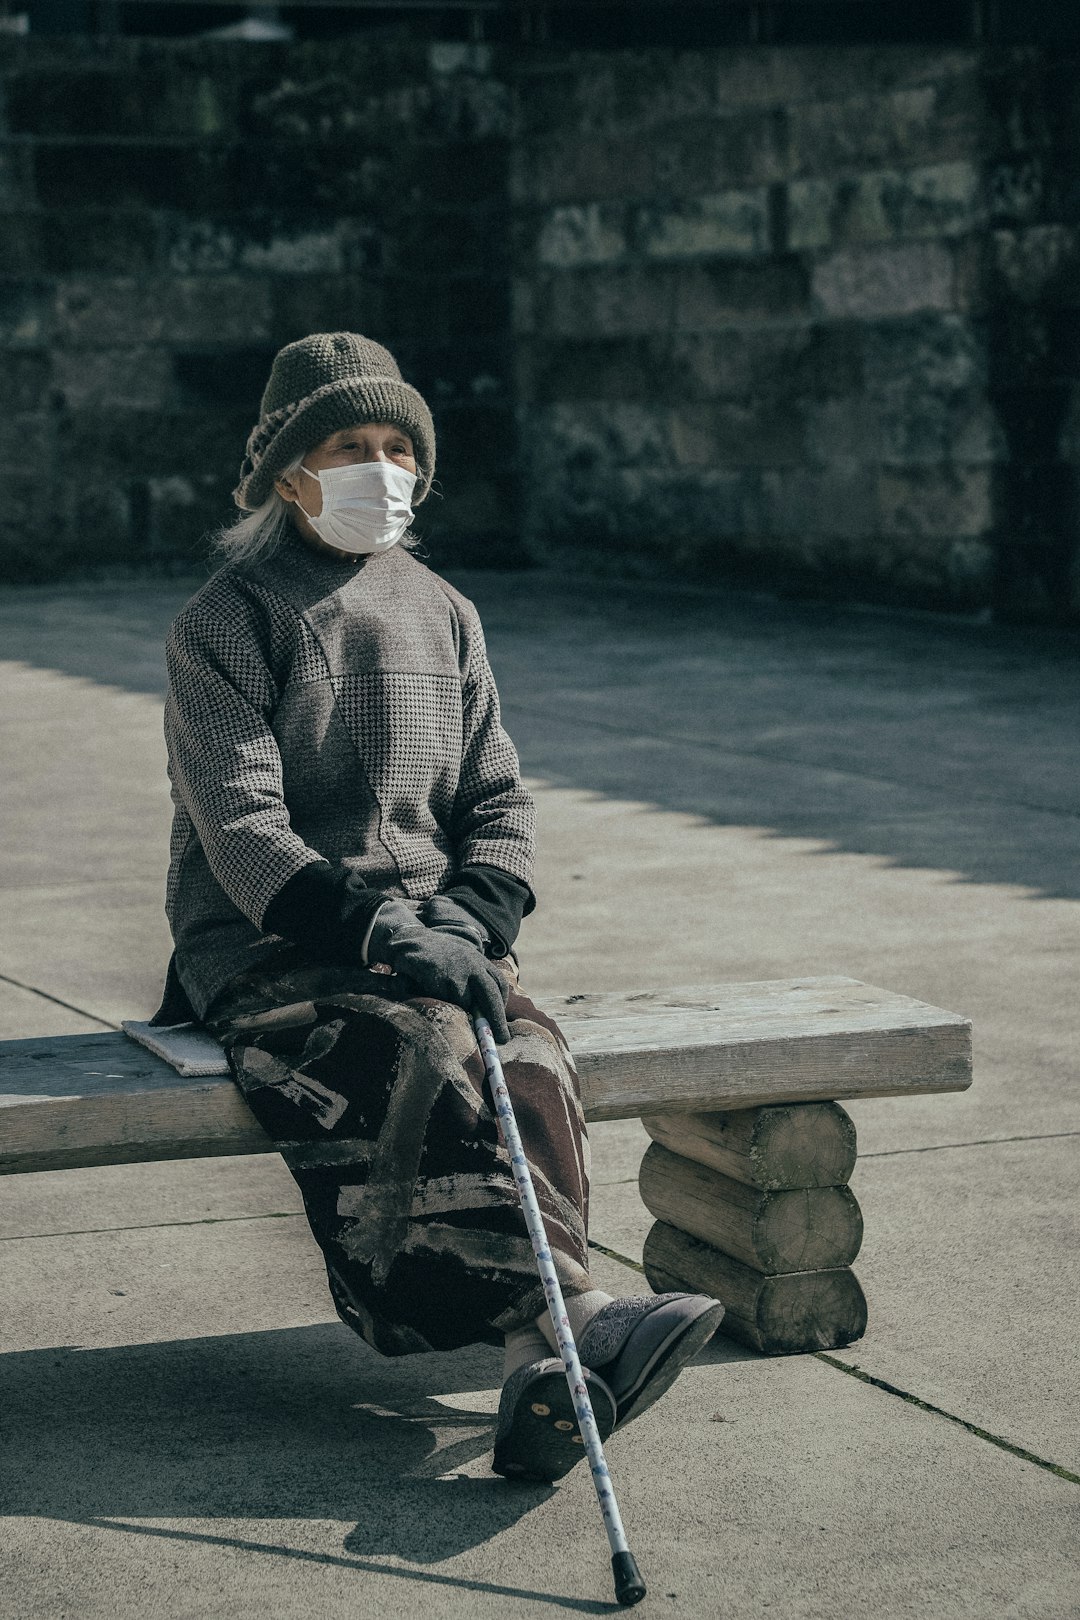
{"x": 790, "y": 1314}
{"x": 776, "y": 1147}
{"x": 804, "y": 1229}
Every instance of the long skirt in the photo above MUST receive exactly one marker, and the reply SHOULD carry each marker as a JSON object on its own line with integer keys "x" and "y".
{"x": 376, "y": 1100}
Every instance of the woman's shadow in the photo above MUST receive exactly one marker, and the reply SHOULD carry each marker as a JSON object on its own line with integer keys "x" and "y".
{"x": 302, "y": 1423}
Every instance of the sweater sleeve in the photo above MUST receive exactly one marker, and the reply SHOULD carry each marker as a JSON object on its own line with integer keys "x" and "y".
{"x": 495, "y": 899}
{"x": 494, "y": 821}
{"x": 223, "y": 756}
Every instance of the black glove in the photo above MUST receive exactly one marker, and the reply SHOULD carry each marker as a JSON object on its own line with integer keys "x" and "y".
{"x": 445, "y": 916}
{"x": 439, "y": 964}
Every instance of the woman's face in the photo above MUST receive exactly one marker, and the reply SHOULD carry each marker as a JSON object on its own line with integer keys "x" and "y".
{"x": 368, "y": 441}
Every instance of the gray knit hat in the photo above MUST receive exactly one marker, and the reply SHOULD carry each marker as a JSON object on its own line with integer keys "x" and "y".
{"x": 328, "y": 381}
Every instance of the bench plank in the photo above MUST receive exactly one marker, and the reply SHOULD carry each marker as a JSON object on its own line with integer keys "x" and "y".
{"x": 76, "y": 1100}
{"x": 731, "y": 1046}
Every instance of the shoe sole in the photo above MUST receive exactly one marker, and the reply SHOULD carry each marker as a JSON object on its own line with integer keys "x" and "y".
{"x": 543, "y": 1441}
{"x": 667, "y": 1362}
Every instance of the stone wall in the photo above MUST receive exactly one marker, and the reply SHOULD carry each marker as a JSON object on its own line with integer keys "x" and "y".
{"x": 803, "y": 317}
{"x": 172, "y": 213}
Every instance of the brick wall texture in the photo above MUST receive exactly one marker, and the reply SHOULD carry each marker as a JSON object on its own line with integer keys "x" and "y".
{"x": 802, "y": 318}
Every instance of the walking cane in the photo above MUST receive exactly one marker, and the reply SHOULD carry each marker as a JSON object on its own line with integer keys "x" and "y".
{"x": 629, "y": 1586}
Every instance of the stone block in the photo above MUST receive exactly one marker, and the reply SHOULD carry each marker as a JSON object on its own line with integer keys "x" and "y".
{"x": 1016, "y": 190}
{"x": 177, "y": 513}
{"x": 174, "y": 443}
{"x": 26, "y": 314}
{"x": 103, "y": 529}
{"x": 918, "y": 425}
{"x": 867, "y": 283}
{"x": 16, "y": 175}
{"x": 25, "y": 441}
{"x": 687, "y": 508}
{"x": 687, "y": 156}
{"x": 273, "y": 243}
{"x": 718, "y": 294}
{"x": 156, "y": 100}
{"x": 623, "y": 301}
{"x": 219, "y": 377}
{"x": 20, "y": 244}
{"x": 27, "y": 380}
{"x": 117, "y": 312}
{"x": 770, "y": 360}
{"x": 733, "y": 148}
{"x": 810, "y": 214}
{"x": 599, "y": 436}
{"x": 731, "y": 224}
{"x": 562, "y": 169}
{"x": 1039, "y": 262}
{"x": 942, "y": 352}
{"x": 949, "y": 501}
{"x": 303, "y": 304}
{"x": 522, "y": 306}
{"x": 587, "y": 234}
{"x": 623, "y": 93}
{"x": 1032, "y": 421}
{"x": 22, "y": 517}
{"x": 603, "y": 368}
{"x": 112, "y": 241}
{"x": 738, "y": 433}
{"x": 181, "y": 175}
{"x": 943, "y": 199}
{"x": 924, "y": 123}
{"x": 1068, "y": 444}
{"x": 106, "y": 379}
{"x": 474, "y": 240}
{"x": 774, "y": 75}
{"x": 842, "y": 430}
{"x": 836, "y": 501}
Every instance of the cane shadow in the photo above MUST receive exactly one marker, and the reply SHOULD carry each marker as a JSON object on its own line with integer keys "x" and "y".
{"x": 297, "y": 1424}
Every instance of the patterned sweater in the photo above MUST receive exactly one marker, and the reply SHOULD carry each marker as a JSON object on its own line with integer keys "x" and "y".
{"x": 334, "y": 738}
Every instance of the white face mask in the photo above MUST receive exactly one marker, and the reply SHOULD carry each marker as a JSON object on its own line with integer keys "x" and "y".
{"x": 365, "y": 507}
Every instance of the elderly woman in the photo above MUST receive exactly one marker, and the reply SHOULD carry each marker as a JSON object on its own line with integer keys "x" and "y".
{"x": 351, "y": 860}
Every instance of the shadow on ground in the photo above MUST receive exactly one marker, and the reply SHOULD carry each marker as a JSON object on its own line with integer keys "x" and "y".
{"x": 927, "y": 742}
{"x": 305, "y": 1423}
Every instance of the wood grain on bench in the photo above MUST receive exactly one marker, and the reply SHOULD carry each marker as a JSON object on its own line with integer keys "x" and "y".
{"x": 78, "y": 1100}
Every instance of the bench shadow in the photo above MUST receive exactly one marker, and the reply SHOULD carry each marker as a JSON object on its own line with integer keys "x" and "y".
{"x": 302, "y": 1423}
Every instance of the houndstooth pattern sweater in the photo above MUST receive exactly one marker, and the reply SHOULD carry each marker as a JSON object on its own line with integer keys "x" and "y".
{"x": 326, "y": 713}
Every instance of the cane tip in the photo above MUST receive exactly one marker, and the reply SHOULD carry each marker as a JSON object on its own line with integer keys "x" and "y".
{"x": 629, "y": 1586}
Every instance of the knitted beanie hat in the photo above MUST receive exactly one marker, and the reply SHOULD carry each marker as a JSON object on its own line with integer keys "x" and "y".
{"x": 318, "y": 385}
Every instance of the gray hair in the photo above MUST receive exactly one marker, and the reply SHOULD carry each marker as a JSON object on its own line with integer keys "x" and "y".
{"x": 259, "y": 533}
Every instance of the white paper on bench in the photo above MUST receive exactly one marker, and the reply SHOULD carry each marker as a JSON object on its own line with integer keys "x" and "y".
{"x": 188, "y": 1047}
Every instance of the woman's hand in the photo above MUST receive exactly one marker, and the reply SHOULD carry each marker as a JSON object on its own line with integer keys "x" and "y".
{"x": 440, "y": 964}
{"x": 445, "y": 916}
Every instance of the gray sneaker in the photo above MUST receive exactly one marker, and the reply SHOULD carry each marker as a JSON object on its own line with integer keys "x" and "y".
{"x": 639, "y": 1345}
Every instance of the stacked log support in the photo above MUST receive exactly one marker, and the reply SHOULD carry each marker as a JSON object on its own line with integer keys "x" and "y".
{"x": 753, "y": 1206}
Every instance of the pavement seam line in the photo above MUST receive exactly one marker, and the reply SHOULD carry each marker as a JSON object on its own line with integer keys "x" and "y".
{"x": 58, "y": 1001}
{"x": 613, "y": 1254}
{"x": 156, "y": 1226}
{"x": 950, "y": 1417}
{"x": 983, "y": 1141}
{"x": 902, "y": 1394}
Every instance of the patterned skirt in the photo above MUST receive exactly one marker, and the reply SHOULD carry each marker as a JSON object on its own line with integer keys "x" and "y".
{"x": 376, "y": 1100}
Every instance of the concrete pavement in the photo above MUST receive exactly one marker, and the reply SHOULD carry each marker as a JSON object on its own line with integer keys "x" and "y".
{"x": 728, "y": 788}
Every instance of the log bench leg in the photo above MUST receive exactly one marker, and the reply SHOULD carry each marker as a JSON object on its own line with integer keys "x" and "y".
{"x": 753, "y": 1206}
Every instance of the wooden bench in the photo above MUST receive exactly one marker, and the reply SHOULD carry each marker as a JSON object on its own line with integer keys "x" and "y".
{"x": 738, "y": 1085}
